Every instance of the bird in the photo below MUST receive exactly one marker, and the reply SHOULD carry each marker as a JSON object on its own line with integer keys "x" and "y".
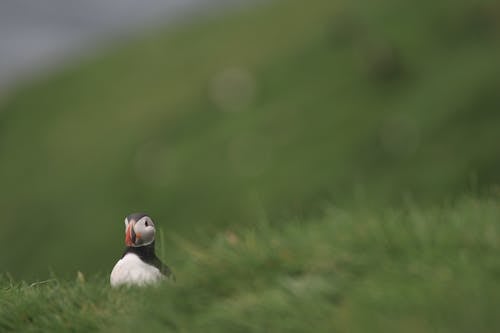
{"x": 139, "y": 265}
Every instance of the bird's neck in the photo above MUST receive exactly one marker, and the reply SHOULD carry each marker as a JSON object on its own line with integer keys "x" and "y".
{"x": 144, "y": 252}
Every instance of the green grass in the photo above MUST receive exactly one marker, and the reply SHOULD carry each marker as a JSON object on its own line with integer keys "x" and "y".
{"x": 305, "y": 164}
{"x": 273, "y": 112}
{"x": 411, "y": 269}
{"x": 53, "y": 305}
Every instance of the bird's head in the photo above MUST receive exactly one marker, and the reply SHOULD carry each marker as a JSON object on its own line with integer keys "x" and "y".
{"x": 139, "y": 230}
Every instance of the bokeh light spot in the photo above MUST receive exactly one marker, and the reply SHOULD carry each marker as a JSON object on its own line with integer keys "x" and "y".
{"x": 232, "y": 89}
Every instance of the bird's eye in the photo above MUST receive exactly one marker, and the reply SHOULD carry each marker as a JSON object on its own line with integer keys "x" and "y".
{"x": 146, "y": 223}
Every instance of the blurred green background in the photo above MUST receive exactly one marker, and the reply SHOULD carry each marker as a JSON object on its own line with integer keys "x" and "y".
{"x": 272, "y": 114}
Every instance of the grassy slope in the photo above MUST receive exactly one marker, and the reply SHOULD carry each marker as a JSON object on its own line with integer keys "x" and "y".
{"x": 411, "y": 270}
{"x": 350, "y": 99}
{"x": 351, "y": 105}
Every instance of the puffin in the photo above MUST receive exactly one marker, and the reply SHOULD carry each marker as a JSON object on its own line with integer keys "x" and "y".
{"x": 139, "y": 265}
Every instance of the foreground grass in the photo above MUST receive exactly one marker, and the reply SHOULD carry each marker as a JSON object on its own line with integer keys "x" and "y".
{"x": 54, "y": 305}
{"x": 411, "y": 270}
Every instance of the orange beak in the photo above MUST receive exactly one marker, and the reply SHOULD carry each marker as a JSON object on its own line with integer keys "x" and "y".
{"x": 130, "y": 234}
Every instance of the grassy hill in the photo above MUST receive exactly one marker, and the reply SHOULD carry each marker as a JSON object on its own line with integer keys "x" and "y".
{"x": 238, "y": 134}
{"x": 268, "y": 114}
{"x": 412, "y": 270}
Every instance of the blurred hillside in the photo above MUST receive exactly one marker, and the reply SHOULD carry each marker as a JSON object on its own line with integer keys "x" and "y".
{"x": 271, "y": 114}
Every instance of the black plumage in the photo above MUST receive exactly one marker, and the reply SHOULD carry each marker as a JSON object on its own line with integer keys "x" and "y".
{"x": 148, "y": 255}
{"x": 136, "y": 216}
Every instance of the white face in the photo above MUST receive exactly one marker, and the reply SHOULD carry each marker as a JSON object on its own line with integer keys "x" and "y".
{"x": 139, "y": 233}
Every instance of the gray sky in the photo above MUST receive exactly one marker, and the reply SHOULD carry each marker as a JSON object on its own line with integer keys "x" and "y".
{"x": 39, "y": 34}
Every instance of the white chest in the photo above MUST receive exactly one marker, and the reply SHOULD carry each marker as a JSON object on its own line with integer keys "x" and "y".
{"x": 131, "y": 270}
